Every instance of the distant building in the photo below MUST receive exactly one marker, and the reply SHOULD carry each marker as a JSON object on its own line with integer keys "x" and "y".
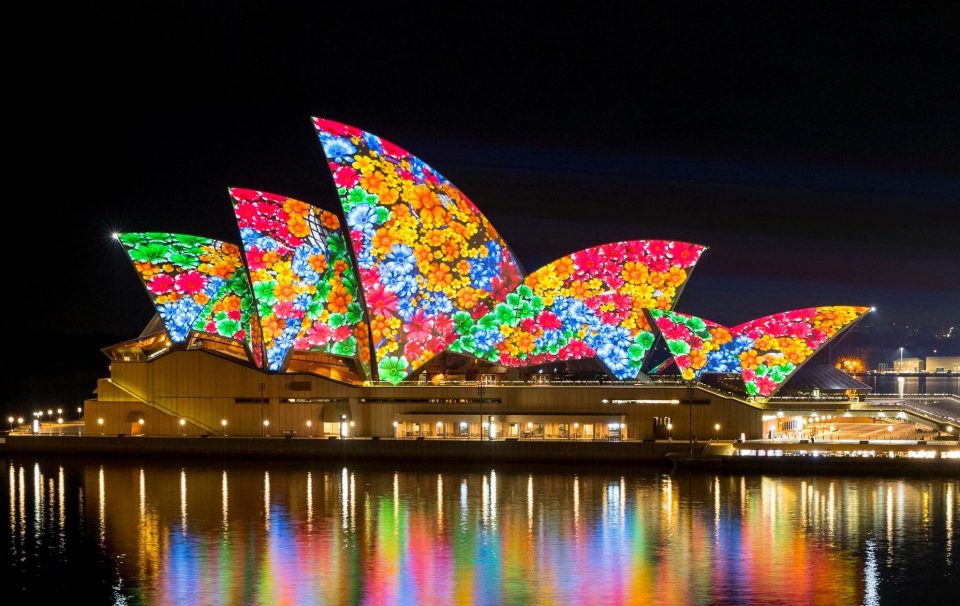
{"x": 943, "y": 364}
{"x": 928, "y": 364}
{"x": 909, "y": 365}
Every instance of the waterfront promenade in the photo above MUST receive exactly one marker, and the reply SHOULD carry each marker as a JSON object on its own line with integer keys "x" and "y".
{"x": 848, "y": 456}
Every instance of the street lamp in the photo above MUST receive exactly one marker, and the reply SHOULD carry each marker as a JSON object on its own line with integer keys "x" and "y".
{"x": 59, "y": 411}
{"x": 343, "y": 423}
{"x": 183, "y": 423}
{"x": 10, "y": 420}
{"x": 100, "y": 423}
{"x": 141, "y": 422}
{"x": 79, "y": 411}
{"x": 716, "y": 428}
{"x": 669, "y": 431}
{"x": 60, "y": 424}
{"x": 901, "y": 360}
{"x": 266, "y": 424}
{"x": 310, "y": 427}
{"x": 223, "y": 424}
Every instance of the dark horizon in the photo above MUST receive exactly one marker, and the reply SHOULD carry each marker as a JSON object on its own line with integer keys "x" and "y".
{"x": 817, "y": 156}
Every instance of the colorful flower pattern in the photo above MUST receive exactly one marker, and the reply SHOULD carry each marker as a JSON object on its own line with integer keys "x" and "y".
{"x": 425, "y": 253}
{"x": 689, "y": 339}
{"x": 766, "y": 351}
{"x": 583, "y": 305}
{"x": 783, "y": 342}
{"x": 195, "y": 283}
{"x": 436, "y": 275}
{"x": 232, "y": 314}
{"x": 302, "y": 276}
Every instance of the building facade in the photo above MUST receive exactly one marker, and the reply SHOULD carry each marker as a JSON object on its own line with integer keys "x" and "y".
{"x": 200, "y": 392}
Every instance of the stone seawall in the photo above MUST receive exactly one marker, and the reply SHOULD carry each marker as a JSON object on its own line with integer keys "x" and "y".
{"x": 351, "y": 449}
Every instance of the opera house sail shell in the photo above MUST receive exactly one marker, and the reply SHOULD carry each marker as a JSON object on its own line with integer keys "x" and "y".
{"x": 424, "y": 251}
{"x": 765, "y": 352}
{"x": 196, "y": 284}
{"x": 588, "y": 304}
{"x": 413, "y": 269}
{"x": 302, "y": 277}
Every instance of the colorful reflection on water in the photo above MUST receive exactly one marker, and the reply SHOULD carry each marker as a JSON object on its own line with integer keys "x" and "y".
{"x": 165, "y": 534}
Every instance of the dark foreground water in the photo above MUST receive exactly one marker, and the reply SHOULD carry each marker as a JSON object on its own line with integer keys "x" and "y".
{"x": 198, "y": 533}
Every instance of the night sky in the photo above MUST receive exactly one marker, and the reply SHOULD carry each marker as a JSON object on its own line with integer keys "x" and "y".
{"x": 818, "y": 155}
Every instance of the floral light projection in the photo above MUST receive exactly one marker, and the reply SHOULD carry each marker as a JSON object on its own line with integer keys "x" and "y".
{"x": 783, "y": 342}
{"x": 425, "y": 253}
{"x": 588, "y": 304}
{"x": 232, "y": 314}
{"x": 689, "y": 339}
{"x": 303, "y": 279}
{"x": 424, "y": 271}
{"x": 766, "y": 351}
{"x": 197, "y": 284}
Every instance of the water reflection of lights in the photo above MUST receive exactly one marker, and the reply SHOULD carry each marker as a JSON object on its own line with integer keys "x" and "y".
{"x": 22, "y": 505}
{"x": 266, "y": 500}
{"x": 62, "y": 508}
{"x": 12, "y": 488}
{"x": 485, "y": 500}
{"x": 440, "y": 502}
{"x": 871, "y": 581}
{"x": 576, "y": 503}
{"x": 102, "y": 507}
{"x": 530, "y": 502}
{"x": 716, "y": 507}
{"x": 353, "y": 500}
{"x": 183, "y": 501}
{"x": 557, "y": 538}
{"x": 345, "y": 498}
{"x": 493, "y": 499}
{"x": 37, "y": 501}
{"x": 143, "y": 495}
{"x": 948, "y": 511}
{"x": 225, "y": 502}
{"x": 309, "y": 499}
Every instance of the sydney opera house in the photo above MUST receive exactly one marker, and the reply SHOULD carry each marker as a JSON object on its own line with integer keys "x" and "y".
{"x": 408, "y": 316}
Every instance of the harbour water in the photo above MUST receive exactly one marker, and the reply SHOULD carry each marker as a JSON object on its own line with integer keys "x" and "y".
{"x": 912, "y": 385}
{"x": 117, "y": 532}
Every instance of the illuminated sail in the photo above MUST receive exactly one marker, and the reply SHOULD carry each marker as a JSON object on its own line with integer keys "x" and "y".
{"x": 425, "y": 253}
